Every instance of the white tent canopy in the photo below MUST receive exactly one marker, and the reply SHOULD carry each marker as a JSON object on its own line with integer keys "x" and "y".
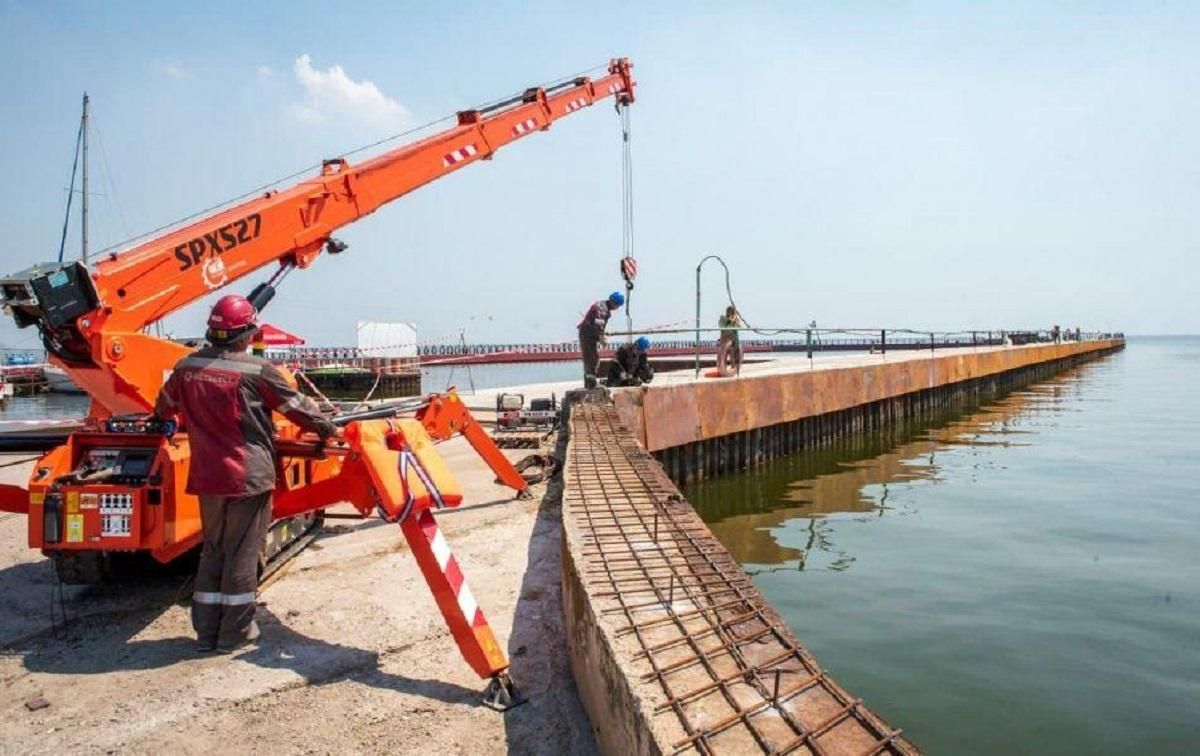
{"x": 387, "y": 339}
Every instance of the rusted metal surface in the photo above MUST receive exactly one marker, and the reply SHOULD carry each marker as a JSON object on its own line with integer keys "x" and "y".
{"x": 519, "y": 439}
{"x": 671, "y": 415}
{"x": 712, "y": 667}
{"x": 678, "y": 414}
{"x": 629, "y": 406}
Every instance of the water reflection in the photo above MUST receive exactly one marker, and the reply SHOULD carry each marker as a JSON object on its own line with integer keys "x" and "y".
{"x": 41, "y": 406}
{"x": 778, "y": 517}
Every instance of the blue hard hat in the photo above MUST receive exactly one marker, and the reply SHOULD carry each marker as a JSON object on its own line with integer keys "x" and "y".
{"x": 642, "y": 344}
{"x": 617, "y": 298}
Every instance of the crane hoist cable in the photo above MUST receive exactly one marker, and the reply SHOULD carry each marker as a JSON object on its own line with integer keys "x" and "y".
{"x": 626, "y": 181}
{"x": 628, "y": 264}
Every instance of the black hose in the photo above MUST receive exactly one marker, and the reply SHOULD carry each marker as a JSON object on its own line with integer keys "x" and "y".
{"x": 31, "y": 442}
{"x": 388, "y": 410}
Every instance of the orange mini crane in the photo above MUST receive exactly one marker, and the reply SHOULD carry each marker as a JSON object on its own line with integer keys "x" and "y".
{"x": 118, "y": 484}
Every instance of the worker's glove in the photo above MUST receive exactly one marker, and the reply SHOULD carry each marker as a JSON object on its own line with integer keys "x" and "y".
{"x": 328, "y": 430}
{"x": 168, "y": 426}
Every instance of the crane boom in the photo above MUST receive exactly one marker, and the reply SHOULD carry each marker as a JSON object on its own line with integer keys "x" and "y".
{"x": 92, "y": 318}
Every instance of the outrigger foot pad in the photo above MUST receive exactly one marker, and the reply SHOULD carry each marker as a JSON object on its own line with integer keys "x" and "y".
{"x": 501, "y": 694}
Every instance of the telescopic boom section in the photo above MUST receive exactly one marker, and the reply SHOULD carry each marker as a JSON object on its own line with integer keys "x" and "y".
{"x": 148, "y": 282}
{"x": 92, "y": 319}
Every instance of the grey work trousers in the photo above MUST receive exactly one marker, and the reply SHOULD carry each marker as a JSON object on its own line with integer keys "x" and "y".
{"x": 589, "y": 347}
{"x": 234, "y": 531}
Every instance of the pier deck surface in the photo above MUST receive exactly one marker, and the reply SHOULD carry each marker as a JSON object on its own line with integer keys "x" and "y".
{"x": 764, "y": 364}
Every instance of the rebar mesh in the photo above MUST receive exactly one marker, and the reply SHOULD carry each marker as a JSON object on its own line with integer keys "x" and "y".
{"x": 731, "y": 673}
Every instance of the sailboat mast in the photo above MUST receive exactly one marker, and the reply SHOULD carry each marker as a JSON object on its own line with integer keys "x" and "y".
{"x": 84, "y": 212}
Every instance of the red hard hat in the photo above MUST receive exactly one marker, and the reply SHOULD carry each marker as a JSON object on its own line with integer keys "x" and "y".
{"x": 232, "y": 312}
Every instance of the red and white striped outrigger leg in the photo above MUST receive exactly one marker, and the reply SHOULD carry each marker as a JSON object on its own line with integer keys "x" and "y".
{"x": 463, "y": 616}
{"x": 409, "y": 480}
{"x": 454, "y": 598}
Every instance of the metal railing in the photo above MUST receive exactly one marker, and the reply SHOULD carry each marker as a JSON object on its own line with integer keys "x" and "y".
{"x": 665, "y": 342}
{"x": 808, "y": 340}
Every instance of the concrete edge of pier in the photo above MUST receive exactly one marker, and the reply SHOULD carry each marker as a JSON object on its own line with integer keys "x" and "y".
{"x": 702, "y": 428}
{"x": 672, "y": 647}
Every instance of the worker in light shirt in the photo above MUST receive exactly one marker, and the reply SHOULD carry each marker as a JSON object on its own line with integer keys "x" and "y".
{"x": 729, "y": 346}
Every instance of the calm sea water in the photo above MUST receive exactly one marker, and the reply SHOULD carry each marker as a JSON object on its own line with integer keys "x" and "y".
{"x": 496, "y": 376}
{"x": 1020, "y": 578}
{"x": 44, "y": 406}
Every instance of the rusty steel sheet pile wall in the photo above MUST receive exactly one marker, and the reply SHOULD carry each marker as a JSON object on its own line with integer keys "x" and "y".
{"x": 700, "y": 429}
{"x": 672, "y": 647}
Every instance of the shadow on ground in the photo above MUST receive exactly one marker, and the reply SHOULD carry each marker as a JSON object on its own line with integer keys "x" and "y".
{"x": 106, "y": 625}
{"x": 102, "y": 645}
{"x": 33, "y": 602}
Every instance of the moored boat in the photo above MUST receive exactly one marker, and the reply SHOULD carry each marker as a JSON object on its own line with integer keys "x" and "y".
{"x": 59, "y": 382}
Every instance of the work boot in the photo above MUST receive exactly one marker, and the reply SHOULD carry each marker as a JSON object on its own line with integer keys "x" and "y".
{"x": 206, "y": 645}
{"x": 252, "y": 635}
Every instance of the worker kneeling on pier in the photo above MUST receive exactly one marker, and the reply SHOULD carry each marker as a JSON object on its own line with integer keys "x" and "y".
{"x": 631, "y": 365}
{"x": 225, "y": 398}
{"x": 591, "y": 334}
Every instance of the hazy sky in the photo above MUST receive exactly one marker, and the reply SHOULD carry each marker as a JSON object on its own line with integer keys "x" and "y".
{"x": 939, "y": 166}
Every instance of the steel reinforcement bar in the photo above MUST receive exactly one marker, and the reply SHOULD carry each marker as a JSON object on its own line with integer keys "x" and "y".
{"x": 667, "y": 630}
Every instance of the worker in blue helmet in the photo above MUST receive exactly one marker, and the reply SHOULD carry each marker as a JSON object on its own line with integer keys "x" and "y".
{"x": 630, "y": 366}
{"x": 591, "y": 334}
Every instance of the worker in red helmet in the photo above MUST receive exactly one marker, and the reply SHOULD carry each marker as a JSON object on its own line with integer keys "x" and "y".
{"x": 592, "y": 336}
{"x": 225, "y": 398}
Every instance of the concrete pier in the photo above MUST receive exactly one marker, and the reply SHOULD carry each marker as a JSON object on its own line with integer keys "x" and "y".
{"x": 672, "y": 647}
